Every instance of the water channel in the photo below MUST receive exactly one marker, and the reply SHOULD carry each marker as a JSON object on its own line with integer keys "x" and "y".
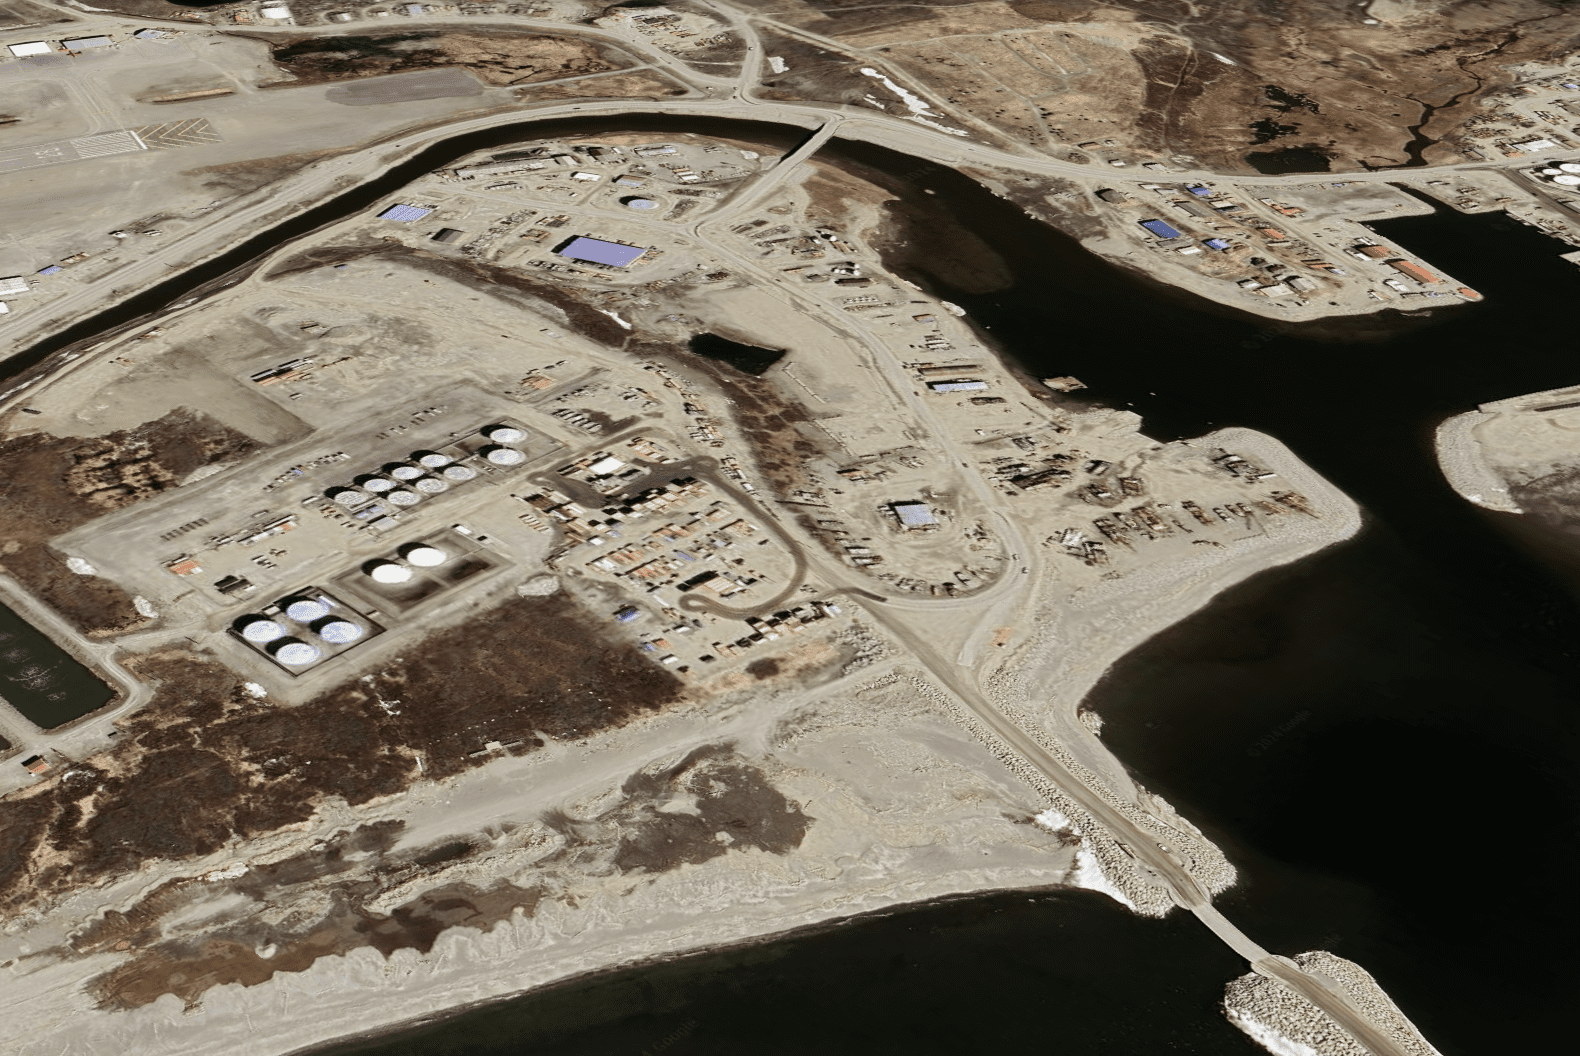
{"x": 1382, "y": 737}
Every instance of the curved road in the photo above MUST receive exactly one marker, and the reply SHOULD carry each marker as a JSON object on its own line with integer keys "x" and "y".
{"x": 293, "y": 195}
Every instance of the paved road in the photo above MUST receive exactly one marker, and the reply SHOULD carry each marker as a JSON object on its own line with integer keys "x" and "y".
{"x": 280, "y": 200}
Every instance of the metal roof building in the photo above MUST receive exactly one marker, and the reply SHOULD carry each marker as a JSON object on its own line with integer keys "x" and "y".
{"x": 965, "y": 385}
{"x": 32, "y": 47}
{"x": 1161, "y": 228}
{"x": 405, "y": 213}
{"x": 84, "y": 43}
{"x": 13, "y": 284}
{"x": 597, "y": 251}
{"x": 913, "y": 514}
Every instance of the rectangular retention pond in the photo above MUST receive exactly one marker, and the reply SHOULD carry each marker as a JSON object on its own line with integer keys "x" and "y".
{"x": 41, "y": 680}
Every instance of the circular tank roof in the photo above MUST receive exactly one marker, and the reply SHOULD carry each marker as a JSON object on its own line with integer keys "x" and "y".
{"x": 376, "y": 483}
{"x": 405, "y": 472}
{"x": 433, "y": 460}
{"x": 1567, "y": 180}
{"x": 402, "y": 497}
{"x": 306, "y": 610}
{"x": 295, "y": 652}
{"x": 640, "y": 203}
{"x": 431, "y": 485}
{"x": 459, "y": 473}
{"x": 504, "y": 456}
{"x": 338, "y": 631}
{"x": 504, "y": 434}
{"x": 389, "y": 572}
{"x": 1551, "y": 172}
{"x": 1569, "y": 166}
{"x": 425, "y": 556}
{"x": 262, "y": 630}
{"x": 348, "y": 496}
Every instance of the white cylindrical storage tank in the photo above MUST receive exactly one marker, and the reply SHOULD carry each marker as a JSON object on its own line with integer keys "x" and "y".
{"x": 348, "y": 496}
{"x": 459, "y": 474}
{"x": 306, "y": 610}
{"x": 641, "y": 204}
{"x": 337, "y": 631}
{"x": 402, "y": 497}
{"x": 1569, "y": 166}
{"x": 504, "y": 456}
{"x": 401, "y": 471}
{"x": 295, "y": 652}
{"x": 388, "y": 572}
{"x": 1551, "y": 172}
{"x": 1567, "y": 180}
{"x": 260, "y": 630}
{"x": 424, "y": 556}
{"x": 431, "y": 485}
{"x": 433, "y": 460}
{"x": 376, "y": 484}
{"x": 505, "y": 434}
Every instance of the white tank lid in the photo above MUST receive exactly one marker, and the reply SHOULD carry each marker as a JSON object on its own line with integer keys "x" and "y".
{"x": 348, "y": 496}
{"x": 377, "y": 484}
{"x": 404, "y": 472}
{"x": 402, "y": 497}
{"x": 262, "y": 630}
{"x": 306, "y": 610}
{"x": 339, "y": 631}
{"x": 433, "y": 460}
{"x": 1567, "y": 180}
{"x": 425, "y": 556}
{"x": 1569, "y": 166}
{"x": 295, "y": 652}
{"x": 389, "y": 572}
{"x": 459, "y": 473}
{"x": 504, "y": 456}
{"x": 505, "y": 434}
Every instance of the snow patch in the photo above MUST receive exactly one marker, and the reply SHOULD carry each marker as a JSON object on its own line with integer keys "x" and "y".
{"x": 921, "y": 111}
{"x": 1268, "y": 1038}
{"x": 1087, "y": 873}
{"x": 1223, "y": 59}
{"x": 144, "y": 607}
{"x": 230, "y": 872}
{"x": 255, "y": 690}
{"x": 616, "y": 317}
{"x": 81, "y": 567}
{"x": 777, "y": 64}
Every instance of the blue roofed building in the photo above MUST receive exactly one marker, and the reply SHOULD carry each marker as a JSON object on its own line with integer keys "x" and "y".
{"x": 1200, "y": 192}
{"x": 1161, "y": 228}
{"x": 53, "y": 269}
{"x": 1216, "y": 243}
{"x": 404, "y": 213}
{"x": 913, "y": 514}
{"x": 597, "y": 251}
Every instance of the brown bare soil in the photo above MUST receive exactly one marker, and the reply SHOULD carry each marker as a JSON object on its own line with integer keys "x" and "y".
{"x": 205, "y": 761}
{"x": 496, "y": 59}
{"x": 242, "y": 176}
{"x": 1306, "y": 74}
{"x": 317, "y": 904}
{"x": 53, "y": 484}
{"x": 643, "y": 84}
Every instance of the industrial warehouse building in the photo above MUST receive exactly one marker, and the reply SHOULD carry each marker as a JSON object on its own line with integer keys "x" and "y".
{"x": 597, "y": 251}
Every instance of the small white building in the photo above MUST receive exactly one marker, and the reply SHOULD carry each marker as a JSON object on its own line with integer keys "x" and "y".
{"x": 13, "y": 284}
{"x": 32, "y": 47}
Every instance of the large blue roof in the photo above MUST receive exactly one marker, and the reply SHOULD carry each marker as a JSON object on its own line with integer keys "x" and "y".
{"x": 597, "y": 251}
{"x": 404, "y": 213}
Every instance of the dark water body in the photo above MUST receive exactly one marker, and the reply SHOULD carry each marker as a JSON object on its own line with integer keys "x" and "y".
{"x": 1383, "y": 738}
{"x": 42, "y": 680}
{"x": 748, "y": 359}
{"x": 1010, "y": 973}
{"x": 1288, "y": 160}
